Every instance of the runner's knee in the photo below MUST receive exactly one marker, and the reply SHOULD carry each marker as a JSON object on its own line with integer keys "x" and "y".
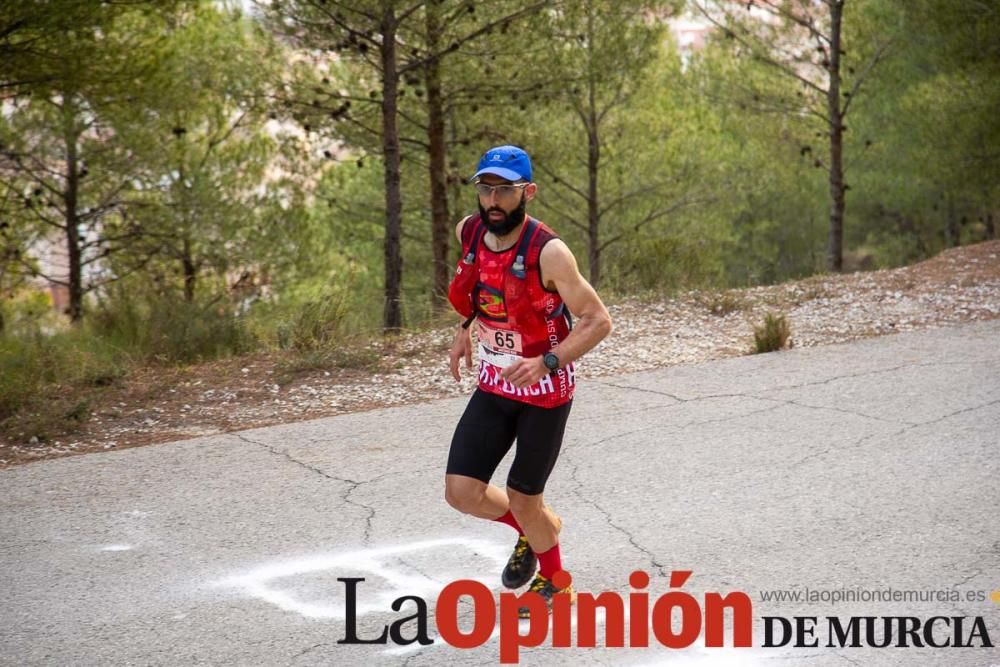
{"x": 523, "y": 505}
{"x": 463, "y": 493}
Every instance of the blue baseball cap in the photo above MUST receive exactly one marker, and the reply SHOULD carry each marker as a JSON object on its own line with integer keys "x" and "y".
{"x": 508, "y": 162}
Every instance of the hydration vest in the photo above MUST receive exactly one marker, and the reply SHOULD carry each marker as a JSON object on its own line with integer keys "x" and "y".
{"x": 517, "y": 317}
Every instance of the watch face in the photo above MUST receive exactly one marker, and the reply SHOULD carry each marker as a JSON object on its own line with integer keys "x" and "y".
{"x": 551, "y": 361}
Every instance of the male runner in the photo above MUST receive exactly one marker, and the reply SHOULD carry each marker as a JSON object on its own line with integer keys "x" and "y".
{"x": 517, "y": 285}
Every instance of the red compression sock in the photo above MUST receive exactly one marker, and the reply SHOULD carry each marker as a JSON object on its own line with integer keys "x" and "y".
{"x": 509, "y": 519}
{"x": 549, "y": 562}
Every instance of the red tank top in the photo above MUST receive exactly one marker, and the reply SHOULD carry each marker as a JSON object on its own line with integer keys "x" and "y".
{"x": 516, "y": 316}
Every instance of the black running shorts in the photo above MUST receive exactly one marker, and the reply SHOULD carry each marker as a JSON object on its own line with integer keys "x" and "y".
{"x": 488, "y": 428}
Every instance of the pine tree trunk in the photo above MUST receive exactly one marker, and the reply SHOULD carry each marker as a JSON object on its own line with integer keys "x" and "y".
{"x": 455, "y": 184}
{"x": 593, "y": 218}
{"x": 438, "y": 154}
{"x": 392, "y": 318}
{"x": 593, "y": 168}
{"x": 190, "y": 271}
{"x": 71, "y": 200}
{"x": 951, "y": 229}
{"x": 835, "y": 244}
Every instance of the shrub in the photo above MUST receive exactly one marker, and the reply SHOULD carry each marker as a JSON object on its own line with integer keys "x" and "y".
{"x": 721, "y": 303}
{"x": 29, "y": 312}
{"x": 36, "y": 372}
{"x": 773, "y": 335}
{"x": 314, "y": 325}
{"x": 172, "y": 331}
{"x": 19, "y": 375}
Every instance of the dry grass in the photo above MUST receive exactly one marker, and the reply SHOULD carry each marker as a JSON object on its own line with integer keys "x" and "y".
{"x": 773, "y": 335}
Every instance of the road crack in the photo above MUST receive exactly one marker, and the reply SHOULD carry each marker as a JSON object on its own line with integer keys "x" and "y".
{"x": 352, "y": 484}
{"x": 660, "y": 567}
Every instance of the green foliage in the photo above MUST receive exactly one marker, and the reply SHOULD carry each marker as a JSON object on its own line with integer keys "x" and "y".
{"x": 31, "y": 366}
{"x": 315, "y": 324}
{"x": 605, "y": 153}
{"x": 772, "y": 335}
{"x": 46, "y": 45}
{"x": 168, "y": 330}
{"x": 219, "y": 197}
{"x": 68, "y": 169}
{"x": 231, "y": 194}
{"x": 927, "y": 179}
{"x": 663, "y": 262}
{"x": 27, "y": 312}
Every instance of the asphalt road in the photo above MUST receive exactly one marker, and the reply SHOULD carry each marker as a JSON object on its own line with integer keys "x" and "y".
{"x": 859, "y": 469}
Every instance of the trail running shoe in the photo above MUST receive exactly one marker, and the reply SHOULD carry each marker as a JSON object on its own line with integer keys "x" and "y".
{"x": 520, "y": 566}
{"x": 544, "y": 587}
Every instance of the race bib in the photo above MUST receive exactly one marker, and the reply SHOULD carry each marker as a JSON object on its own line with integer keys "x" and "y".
{"x": 499, "y": 347}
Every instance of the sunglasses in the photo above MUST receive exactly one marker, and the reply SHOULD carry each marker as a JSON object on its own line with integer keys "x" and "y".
{"x": 505, "y": 191}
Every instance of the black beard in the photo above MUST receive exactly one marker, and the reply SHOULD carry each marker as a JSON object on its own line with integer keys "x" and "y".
{"x": 510, "y": 221}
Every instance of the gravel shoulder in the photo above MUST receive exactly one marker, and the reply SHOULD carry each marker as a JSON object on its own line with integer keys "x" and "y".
{"x": 157, "y": 405}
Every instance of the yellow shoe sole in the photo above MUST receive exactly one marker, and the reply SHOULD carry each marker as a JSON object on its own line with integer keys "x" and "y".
{"x": 572, "y": 600}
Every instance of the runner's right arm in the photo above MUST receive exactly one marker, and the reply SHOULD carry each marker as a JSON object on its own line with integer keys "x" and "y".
{"x": 462, "y": 345}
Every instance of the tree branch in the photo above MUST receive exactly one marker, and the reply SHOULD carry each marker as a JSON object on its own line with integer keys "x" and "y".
{"x": 561, "y": 181}
{"x": 861, "y": 77}
{"x": 482, "y": 30}
{"x": 353, "y": 8}
{"x": 19, "y": 160}
{"x": 565, "y": 217}
{"x": 758, "y": 51}
{"x": 655, "y": 215}
{"x": 405, "y": 14}
{"x": 129, "y": 271}
{"x": 339, "y": 22}
{"x": 52, "y": 223}
{"x": 770, "y": 7}
{"x": 33, "y": 271}
{"x": 635, "y": 193}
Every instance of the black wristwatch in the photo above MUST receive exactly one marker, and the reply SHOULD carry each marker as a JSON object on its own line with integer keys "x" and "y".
{"x": 551, "y": 361}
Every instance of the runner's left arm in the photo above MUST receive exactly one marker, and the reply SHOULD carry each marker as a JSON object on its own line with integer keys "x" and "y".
{"x": 593, "y": 324}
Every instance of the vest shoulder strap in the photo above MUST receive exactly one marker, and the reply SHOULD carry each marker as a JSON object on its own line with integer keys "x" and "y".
{"x": 530, "y": 247}
{"x": 518, "y": 268}
{"x": 472, "y": 233}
